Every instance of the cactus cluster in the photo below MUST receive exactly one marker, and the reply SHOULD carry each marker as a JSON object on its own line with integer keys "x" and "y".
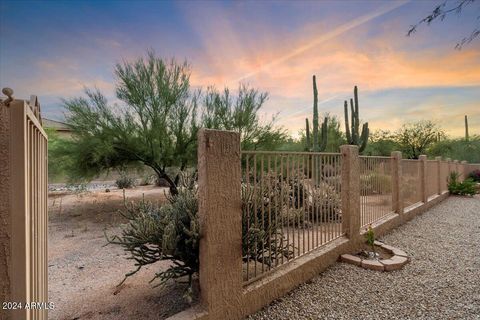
{"x": 319, "y": 139}
{"x": 352, "y": 130}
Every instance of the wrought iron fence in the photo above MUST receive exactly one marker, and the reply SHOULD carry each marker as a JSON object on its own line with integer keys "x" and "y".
{"x": 411, "y": 182}
{"x": 375, "y": 188}
{"x": 291, "y": 205}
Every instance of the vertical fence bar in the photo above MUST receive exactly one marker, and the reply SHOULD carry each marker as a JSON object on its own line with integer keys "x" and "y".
{"x": 350, "y": 190}
{"x": 220, "y": 214}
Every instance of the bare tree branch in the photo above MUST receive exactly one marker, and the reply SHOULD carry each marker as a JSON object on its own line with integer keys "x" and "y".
{"x": 440, "y": 12}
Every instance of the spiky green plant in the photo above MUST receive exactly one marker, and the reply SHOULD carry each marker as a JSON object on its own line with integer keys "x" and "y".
{"x": 170, "y": 232}
{"x": 319, "y": 139}
{"x": 352, "y": 129}
{"x": 370, "y": 238}
{"x": 262, "y": 205}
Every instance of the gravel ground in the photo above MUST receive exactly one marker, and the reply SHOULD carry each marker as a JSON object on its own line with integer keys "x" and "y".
{"x": 442, "y": 280}
{"x": 84, "y": 273}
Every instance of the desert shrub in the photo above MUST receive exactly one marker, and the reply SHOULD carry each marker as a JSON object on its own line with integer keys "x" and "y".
{"x": 146, "y": 180}
{"x": 375, "y": 183}
{"x": 324, "y": 203}
{"x": 169, "y": 232}
{"x": 467, "y": 187}
{"x": 77, "y": 188}
{"x": 297, "y": 218}
{"x": 125, "y": 181}
{"x": 262, "y": 239}
{"x": 475, "y": 175}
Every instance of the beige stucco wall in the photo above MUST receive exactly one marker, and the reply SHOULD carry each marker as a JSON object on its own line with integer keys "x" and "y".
{"x": 223, "y": 296}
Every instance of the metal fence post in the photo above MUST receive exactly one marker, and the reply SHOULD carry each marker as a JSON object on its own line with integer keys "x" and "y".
{"x": 220, "y": 214}
{"x": 397, "y": 198}
{"x": 350, "y": 190}
{"x": 423, "y": 178}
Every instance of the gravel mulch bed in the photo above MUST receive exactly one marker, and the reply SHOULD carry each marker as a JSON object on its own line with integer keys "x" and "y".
{"x": 442, "y": 281}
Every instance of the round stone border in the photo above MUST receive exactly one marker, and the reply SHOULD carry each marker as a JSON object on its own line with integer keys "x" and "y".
{"x": 396, "y": 262}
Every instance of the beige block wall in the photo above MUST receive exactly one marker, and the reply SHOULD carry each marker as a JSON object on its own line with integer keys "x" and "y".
{"x": 5, "y": 223}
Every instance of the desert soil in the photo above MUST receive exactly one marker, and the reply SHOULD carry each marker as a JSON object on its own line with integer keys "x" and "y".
{"x": 84, "y": 273}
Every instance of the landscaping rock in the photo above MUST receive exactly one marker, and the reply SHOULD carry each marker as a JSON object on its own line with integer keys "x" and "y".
{"x": 372, "y": 265}
{"x": 351, "y": 259}
{"x": 394, "y": 263}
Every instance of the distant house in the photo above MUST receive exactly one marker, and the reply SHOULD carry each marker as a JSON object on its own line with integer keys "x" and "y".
{"x": 60, "y": 128}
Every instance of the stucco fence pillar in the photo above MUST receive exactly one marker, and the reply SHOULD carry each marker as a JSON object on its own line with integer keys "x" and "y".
{"x": 397, "y": 196}
{"x": 350, "y": 193}
{"x": 439, "y": 174}
{"x": 220, "y": 214}
{"x": 423, "y": 178}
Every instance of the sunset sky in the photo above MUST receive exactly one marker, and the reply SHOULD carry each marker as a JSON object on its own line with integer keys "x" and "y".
{"x": 53, "y": 49}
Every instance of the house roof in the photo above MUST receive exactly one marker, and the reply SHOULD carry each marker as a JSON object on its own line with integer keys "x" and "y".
{"x": 57, "y": 125}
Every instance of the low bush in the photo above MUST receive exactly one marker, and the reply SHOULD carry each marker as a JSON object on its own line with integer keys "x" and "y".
{"x": 324, "y": 203}
{"x": 147, "y": 180}
{"x": 375, "y": 183}
{"x": 297, "y": 218}
{"x": 467, "y": 187}
{"x": 125, "y": 182}
{"x": 169, "y": 232}
{"x": 475, "y": 175}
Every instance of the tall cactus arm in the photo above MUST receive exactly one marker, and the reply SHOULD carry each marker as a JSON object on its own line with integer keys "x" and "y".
{"x": 466, "y": 129}
{"x": 357, "y": 114}
{"x": 315, "y": 115}
{"x": 353, "y": 125}
{"x": 364, "y": 139}
{"x": 323, "y": 142}
{"x": 307, "y": 133}
{"x": 347, "y": 127}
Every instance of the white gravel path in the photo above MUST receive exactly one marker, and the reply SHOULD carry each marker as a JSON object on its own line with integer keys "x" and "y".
{"x": 442, "y": 281}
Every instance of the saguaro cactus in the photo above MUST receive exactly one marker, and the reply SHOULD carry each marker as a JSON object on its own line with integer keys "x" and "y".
{"x": 466, "y": 128}
{"x": 319, "y": 140}
{"x": 352, "y": 132}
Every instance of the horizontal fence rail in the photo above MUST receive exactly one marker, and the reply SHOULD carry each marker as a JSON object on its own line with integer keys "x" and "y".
{"x": 291, "y": 205}
{"x": 411, "y": 182}
{"x": 375, "y": 188}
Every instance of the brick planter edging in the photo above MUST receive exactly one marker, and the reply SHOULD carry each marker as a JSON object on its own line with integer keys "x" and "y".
{"x": 396, "y": 262}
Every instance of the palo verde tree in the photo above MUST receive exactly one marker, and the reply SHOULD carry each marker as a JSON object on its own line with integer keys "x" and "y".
{"x": 224, "y": 111}
{"x": 158, "y": 121}
{"x": 156, "y": 127}
{"x": 415, "y": 138}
